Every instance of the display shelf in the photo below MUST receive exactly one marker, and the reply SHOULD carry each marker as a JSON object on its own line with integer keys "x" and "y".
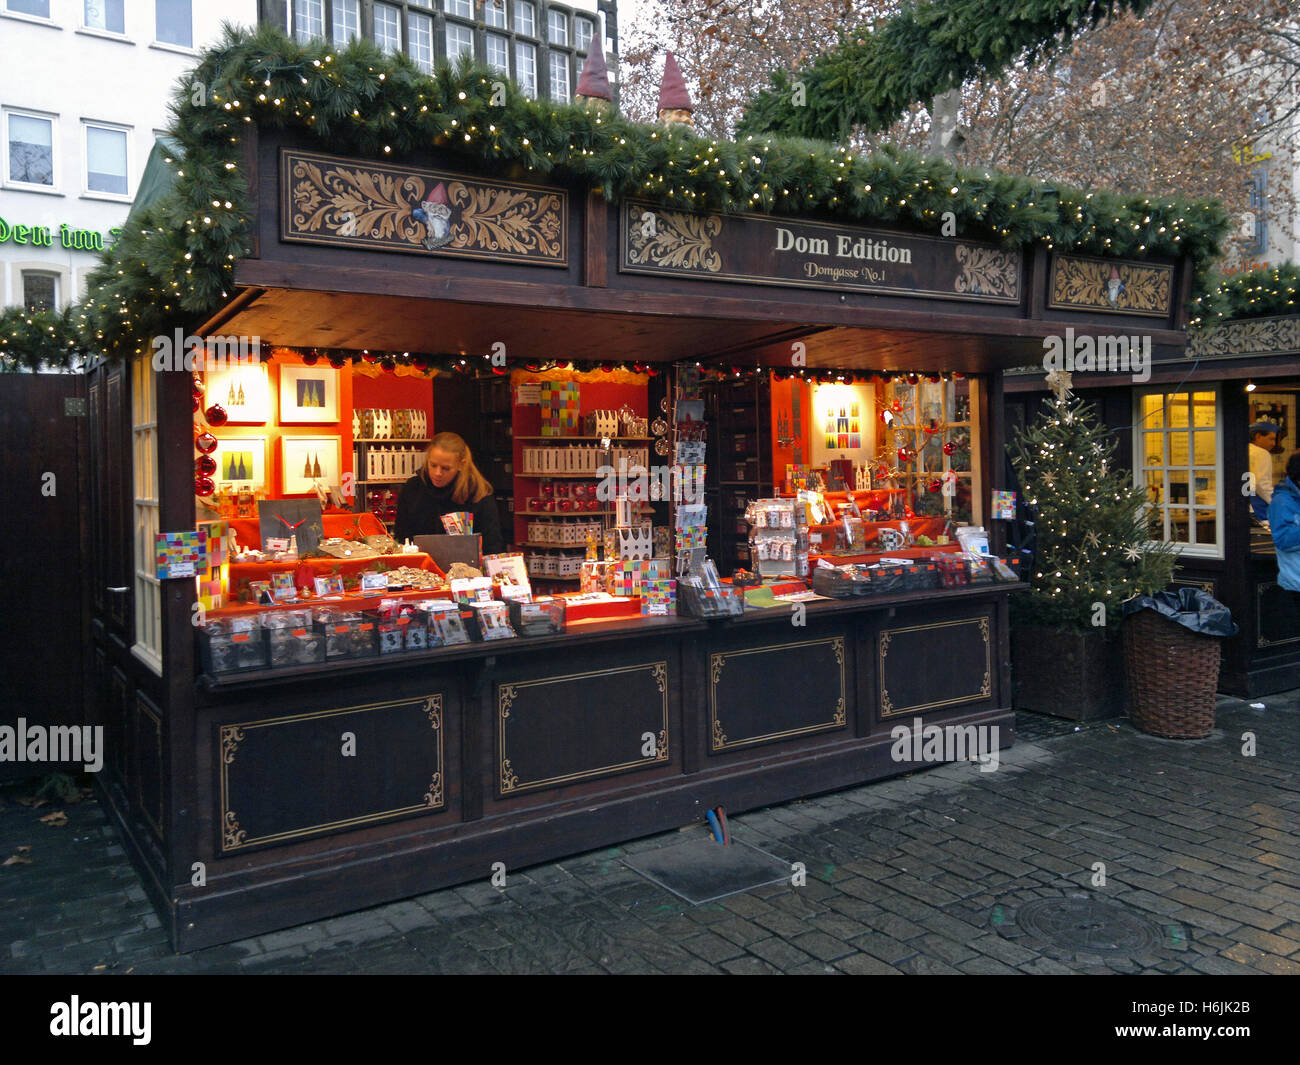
{"x": 552, "y": 547}
{"x": 553, "y": 476}
{"x": 612, "y": 439}
{"x": 391, "y": 440}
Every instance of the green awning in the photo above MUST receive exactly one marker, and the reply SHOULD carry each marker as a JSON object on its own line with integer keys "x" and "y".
{"x": 159, "y": 175}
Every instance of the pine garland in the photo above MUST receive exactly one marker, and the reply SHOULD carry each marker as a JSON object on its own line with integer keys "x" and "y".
{"x": 1262, "y": 293}
{"x": 875, "y": 74}
{"x": 174, "y": 261}
{"x": 1093, "y": 543}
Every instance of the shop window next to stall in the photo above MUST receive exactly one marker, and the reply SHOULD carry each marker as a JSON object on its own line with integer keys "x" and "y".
{"x": 1177, "y": 441}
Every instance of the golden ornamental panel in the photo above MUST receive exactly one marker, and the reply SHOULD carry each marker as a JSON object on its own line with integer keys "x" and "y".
{"x": 883, "y": 640}
{"x": 508, "y": 781}
{"x": 348, "y": 202}
{"x": 673, "y": 239}
{"x": 719, "y": 660}
{"x": 1249, "y": 339}
{"x": 1112, "y": 286}
{"x": 987, "y": 271}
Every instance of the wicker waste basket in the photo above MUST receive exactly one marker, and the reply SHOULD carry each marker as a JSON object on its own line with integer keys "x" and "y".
{"x": 1173, "y": 674}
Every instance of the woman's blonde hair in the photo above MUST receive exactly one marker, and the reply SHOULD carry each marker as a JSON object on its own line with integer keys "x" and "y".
{"x": 470, "y": 485}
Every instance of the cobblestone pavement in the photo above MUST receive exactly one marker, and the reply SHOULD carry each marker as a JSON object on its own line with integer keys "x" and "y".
{"x": 935, "y": 872}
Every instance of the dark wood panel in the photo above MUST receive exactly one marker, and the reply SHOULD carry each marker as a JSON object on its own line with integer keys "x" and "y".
{"x": 569, "y": 728}
{"x": 283, "y": 779}
{"x": 1277, "y": 616}
{"x": 931, "y": 665}
{"x": 147, "y": 741}
{"x": 779, "y": 689}
{"x": 120, "y": 695}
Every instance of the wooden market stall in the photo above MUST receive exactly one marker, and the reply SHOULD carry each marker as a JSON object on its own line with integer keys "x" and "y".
{"x": 234, "y": 791}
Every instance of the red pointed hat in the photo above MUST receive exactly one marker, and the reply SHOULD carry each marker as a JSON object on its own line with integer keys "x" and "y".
{"x": 672, "y": 90}
{"x": 594, "y": 80}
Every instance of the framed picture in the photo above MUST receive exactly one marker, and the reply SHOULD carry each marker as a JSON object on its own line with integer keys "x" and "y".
{"x": 309, "y": 394}
{"x": 244, "y": 391}
{"x": 309, "y": 461}
{"x": 241, "y": 462}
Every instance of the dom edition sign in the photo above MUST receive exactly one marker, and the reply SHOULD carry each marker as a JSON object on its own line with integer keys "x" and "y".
{"x": 767, "y": 250}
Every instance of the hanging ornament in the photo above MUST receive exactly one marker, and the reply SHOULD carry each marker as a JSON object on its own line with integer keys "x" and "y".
{"x": 912, "y": 379}
{"x": 196, "y": 386}
{"x": 204, "y": 485}
{"x": 216, "y": 415}
{"x": 388, "y": 364}
{"x": 608, "y": 367}
{"x": 311, "y": 358}
{"x": 888, "y": 418}
{"x": 533, "y": 366}
{"x": 949, "y": 447}
{"x": 499, "y": 371}
{"x": 338, "y": 361}
{"x": 935, "y": 487}
{"x": 205, "y": 464}
{"x": 907, "y": 454}
{"x": 366, "y": 356}
{"x": 420, "y": 362}
{"x": 206, "y": 442}
{"x": 932, "y": 428}
{"x": 934, "y": 379}
{"x": 897, "y": 406}
{"x": 198, "y": 402}
{"x": 958, "y": 376}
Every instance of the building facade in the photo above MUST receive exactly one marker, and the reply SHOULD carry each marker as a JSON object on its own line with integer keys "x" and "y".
{"x": 85, "y": 87}
{"x": 540, "y": 45}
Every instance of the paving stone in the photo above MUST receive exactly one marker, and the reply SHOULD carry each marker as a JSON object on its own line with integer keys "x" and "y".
{"x": 865, "y": 965}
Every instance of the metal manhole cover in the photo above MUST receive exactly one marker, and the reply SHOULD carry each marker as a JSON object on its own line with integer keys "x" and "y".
{"x": 1082, "y": 925}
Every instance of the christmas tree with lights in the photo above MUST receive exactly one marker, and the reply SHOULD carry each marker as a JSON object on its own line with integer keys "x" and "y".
{"x": 1094, "y": 549}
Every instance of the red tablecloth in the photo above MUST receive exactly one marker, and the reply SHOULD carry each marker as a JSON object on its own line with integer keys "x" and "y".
{"x": 241, "y": 573}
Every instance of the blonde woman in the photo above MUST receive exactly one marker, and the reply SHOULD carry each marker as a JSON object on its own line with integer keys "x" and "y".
{"x": 449, "y": 482}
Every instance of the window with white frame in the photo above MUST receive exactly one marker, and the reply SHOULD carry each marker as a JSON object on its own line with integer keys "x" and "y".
{"x": 106, "y": 162}
{"x": 462, "y": 8}
{"x": 526, "y": 67}
{"x": 40, "y": 290}
{"x": 388, "y": 28}
{"x": 557, "y": 27}
{"x": 1178, "y": 462}
{"x": 460, "y": 41}
{"x": 29, "y": 149}
{"x": 494, "y": 13}
{"x": 525, "y": 18}
{"x": 419, "y": 42}
{"x": 346, "y": 16}
{"x": 174, "y": 22}
{"x": 308, "y": 19}
{"x": 559, "y": 76}
{"x": 145, "y": 511}
{"x": 106, "y": 15}
{"x": 39, "y": 8}
{"x": 583, "y": 31}
{"x": 498, "y": 53}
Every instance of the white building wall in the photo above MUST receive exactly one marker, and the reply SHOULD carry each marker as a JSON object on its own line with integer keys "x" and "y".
{"x": 63, "y": 68}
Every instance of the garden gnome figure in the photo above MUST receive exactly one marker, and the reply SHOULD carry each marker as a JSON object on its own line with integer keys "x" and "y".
{"x": 593, "y": 82}
{"x": 674, "y": 101}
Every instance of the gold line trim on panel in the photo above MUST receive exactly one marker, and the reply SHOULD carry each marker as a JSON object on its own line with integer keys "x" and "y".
{"x": 887, "y": 708}
{"x": 718, "y": 660}
{"x": 1260, "y": 588}
{"x": 234, "y": 837}
{"x": 508, "y": 781}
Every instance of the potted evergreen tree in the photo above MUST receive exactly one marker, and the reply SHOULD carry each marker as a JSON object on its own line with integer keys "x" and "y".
{"x": 1094, "y": 552}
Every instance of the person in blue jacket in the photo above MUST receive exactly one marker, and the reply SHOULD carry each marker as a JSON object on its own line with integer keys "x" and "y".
{"x": 1284, "y": 523}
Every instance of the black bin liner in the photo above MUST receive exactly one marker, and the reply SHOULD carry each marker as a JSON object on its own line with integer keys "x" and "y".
{"x": 1192, "y": 608}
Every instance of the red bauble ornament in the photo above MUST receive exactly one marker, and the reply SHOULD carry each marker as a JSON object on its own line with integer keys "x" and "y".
{"x": 957, "y": 376}
{"x": 311, "y": 358}
{"x": 653, "y": 371}
{"x": 196, "y": 386}
{"x": 935, "y": 486}
{"x": 388, "y": 365}
{"x": 204, "y": 485}
{"x": 608, "y": 367}
{"x": 930, "y": 430}
{"x": 897, "y": 406}
{"x": 368, "y": 357}
{"x": 206, "y": 465}
{"x": 420, "y": 362}
{"x": 198, "y": 402}
{"x": 206, "y": 442}
{"x": 499, "y": 371}
{"x": 338, "y": 361}
{"x": 533, "y": 366}
{"x": 949, "y": 448}
{"x": 934, "y": 379}
{"x": 216, "y": 415}
{"x": 912, "y": 379}
{"x": 906, "y": 454}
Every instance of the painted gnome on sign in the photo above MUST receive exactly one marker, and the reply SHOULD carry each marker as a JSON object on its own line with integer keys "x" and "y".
{"x": 1114, "y": 288}
{"x": 675, "y": 105}
{"x": 435, "y": 213}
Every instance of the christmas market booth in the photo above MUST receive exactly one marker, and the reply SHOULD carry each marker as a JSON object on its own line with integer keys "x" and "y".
{"x": 1207, "y": 431}
{"x": 740, "y": 408}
